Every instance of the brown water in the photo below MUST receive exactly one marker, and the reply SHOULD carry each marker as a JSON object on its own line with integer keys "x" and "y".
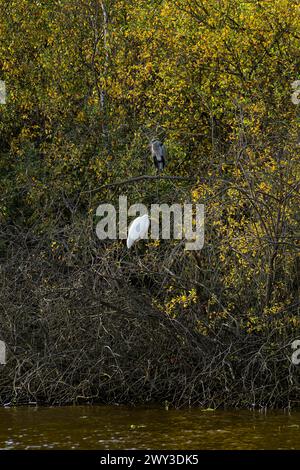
{"x": 120, "y": 427}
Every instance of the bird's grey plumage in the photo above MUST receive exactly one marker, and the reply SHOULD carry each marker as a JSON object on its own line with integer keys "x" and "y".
{"x": 158, "y": 152}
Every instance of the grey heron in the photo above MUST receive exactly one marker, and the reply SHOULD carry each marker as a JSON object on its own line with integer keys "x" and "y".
{"x": 158, "y": 152}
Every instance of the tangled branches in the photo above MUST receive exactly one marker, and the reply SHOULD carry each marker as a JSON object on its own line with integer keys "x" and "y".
{"x": 92, "y": 334}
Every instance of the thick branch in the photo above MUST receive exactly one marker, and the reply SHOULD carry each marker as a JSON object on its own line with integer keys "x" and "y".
{"x": 138, "y": 179}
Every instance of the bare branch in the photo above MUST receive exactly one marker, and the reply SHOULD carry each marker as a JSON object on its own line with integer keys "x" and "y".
{"x": 141, "y": 178}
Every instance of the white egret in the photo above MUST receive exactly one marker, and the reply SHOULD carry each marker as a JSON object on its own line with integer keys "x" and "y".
{"x": 137, "y": 229}
{"x": 158, "y": 152}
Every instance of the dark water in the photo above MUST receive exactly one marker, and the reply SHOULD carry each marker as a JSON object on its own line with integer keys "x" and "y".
{"x": 119, "y": 427}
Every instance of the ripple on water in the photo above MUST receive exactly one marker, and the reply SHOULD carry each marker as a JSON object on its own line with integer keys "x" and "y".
{"x": 107, "y": 427}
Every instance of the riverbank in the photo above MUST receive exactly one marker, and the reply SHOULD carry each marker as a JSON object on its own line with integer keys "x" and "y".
{"x": 84, "y": 88}
{"x": 77, "y": 336}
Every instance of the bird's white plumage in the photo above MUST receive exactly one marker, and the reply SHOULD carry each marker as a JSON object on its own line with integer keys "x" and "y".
{"x": 137, "y": 229}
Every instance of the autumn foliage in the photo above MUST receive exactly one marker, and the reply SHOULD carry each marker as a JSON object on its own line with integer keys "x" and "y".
{"x": 88, "y": 83}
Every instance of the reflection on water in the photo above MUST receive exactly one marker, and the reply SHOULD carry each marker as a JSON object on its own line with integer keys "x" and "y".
{"x": 120, "y": 427}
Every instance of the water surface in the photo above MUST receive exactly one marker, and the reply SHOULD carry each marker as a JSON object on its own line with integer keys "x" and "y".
{"x": 120, "y": 427}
